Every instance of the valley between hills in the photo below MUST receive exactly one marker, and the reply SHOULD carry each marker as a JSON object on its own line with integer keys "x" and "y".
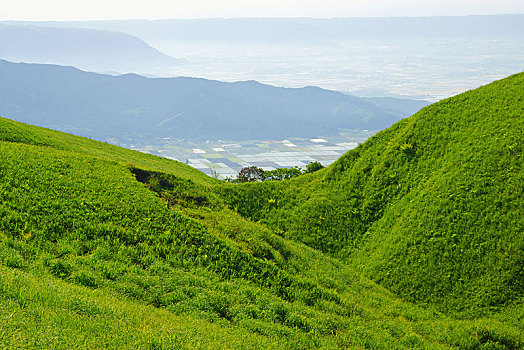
{"x": 412, "y": 240}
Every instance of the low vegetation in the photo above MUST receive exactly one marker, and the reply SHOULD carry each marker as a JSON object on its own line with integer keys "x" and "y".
{"x": 102, "y": 247}
{"x": 431, "y": 208}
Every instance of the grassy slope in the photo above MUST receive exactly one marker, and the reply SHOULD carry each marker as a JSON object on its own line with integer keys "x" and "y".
{"x": 83, "y": 243}
{"x": 12, "y": 131}
{"x": 430, "y": 208}
{"x": 41, "y": 312}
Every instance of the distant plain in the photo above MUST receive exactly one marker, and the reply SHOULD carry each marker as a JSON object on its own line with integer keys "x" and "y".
{"x": 423, "y": 68}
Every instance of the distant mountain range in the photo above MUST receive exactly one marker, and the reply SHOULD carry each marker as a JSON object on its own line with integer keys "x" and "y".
{"x": 311, "y": 30}
{"x": 88, "y": 49}
{"x": 133, "y": 108}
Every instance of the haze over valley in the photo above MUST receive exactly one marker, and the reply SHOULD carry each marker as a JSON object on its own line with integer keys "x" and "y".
{"x": 426, "y": 58}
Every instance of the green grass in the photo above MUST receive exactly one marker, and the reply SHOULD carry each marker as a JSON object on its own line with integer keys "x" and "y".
{"x": 12, "y": 131}
{"x": 45, "y": 313}
{"x": 102, "y": 247}
{"x": 431, "y": 208}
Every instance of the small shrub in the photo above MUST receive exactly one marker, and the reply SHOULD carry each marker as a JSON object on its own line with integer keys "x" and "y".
{"x": 313, "y": 166}
{"x": 250, "y": 174}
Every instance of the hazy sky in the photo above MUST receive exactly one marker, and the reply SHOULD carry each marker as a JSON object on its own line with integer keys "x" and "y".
{"x": 151, "y": 9}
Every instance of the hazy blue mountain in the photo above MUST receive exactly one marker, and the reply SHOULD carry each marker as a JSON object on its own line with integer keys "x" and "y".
{"x": 133, "y": 108}
{"x": 420, "y": 57}
{"x": 293, "y": 30}
{"x": 89, "y": 49}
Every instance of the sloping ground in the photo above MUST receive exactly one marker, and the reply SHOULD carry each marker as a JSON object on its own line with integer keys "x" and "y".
{"x": 15, "y": 132}
{"x": 102, "y": 247}
{"x": 430, "y": 208}
{"x": 84, "y": 244}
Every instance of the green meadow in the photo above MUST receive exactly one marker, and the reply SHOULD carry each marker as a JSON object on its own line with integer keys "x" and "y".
{"x": 413, "y": 240}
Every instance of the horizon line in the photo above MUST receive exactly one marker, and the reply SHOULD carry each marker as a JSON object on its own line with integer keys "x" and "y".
{"x": 259, "y": 17}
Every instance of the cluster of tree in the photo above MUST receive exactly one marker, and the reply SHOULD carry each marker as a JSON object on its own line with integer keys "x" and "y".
{"x": 253, "y": 173}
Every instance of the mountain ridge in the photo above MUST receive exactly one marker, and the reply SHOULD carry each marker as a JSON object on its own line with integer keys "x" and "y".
{"x": 98, "y": 50}
{"x": 129, "y": 107}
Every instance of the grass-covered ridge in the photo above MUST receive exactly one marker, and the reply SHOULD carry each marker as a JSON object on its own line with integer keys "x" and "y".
{"x": 16, "y": 132}
{"x": 93, "y": 237}
{"x": 430, "y": 208}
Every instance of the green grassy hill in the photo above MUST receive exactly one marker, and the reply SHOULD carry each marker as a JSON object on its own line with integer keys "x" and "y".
{"x": 102, "y": 247}
{"x": 431, "y": 208}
